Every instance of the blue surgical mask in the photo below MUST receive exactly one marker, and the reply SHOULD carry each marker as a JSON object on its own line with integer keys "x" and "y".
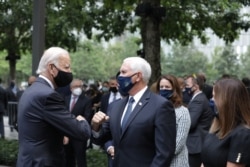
{"x": 166, "y": 93}
{"x": 105, "y": 89}
{"x": 216, "y": 112}
{"x": 125, "y": 84}
{"x": 214, "y": 108}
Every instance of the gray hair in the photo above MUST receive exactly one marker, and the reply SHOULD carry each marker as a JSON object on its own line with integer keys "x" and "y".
{"x": 139, "y": 64}
{"x": 76, "y": 80}
{"x": 50, "y": 55}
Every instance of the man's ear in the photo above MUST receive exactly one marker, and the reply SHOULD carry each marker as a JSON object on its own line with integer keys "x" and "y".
{"x": 51, "y": 69}
{"x": 139, "y": 76}
{"x": 196, "y": 86}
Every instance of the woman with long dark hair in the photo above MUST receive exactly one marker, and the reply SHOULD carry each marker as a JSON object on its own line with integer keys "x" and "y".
{"x": 228, "y": 143}
{"x": 168, "y": 87}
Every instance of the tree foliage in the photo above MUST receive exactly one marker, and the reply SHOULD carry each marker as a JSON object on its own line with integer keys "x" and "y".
{"x": 66, "y": 21}
{"x": 226, "y": 61}
{"x": 15, "y": 26}
{"x": 244, "y": 64}
{"x": 183, "y": 19}
{"x": 186, "y": 19}
{"x": 184, "y": 60}
{"x": 97, "y": 61}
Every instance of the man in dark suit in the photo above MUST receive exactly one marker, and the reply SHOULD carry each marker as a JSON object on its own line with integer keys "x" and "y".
{"x": 111, "y": 96}
{"x": 142, "y": 124}
{"x": 43, "y": 116}
{"x": 78, "y": 104}
{"x": 3, "y": 105}
{"x": 11, "y": 92}
{"x": 106, "y": 99}
{"x": 13, "y": 107}
{"x": 201, "y": 119}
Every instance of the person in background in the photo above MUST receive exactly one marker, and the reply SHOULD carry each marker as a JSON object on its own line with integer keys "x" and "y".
{"x": 228, "y": 141}
{"x": 207, "y": 89}
{"x": 111, "y": 96}
{"x": 78, "y": 104}
{"x": 84, "y": 88}
{"x": 95, "y": 95}
{"x": 106, "y": 100}
{"x": 12, "y": 91}
{"x": 3, "y": 106}
{"x": 105, "y": 87}
{"x": 12, "y": 101}
{"x": 31, "y": 79}
{"x": 186, "y": 93}
{"x": 142, "y": 124}
{"x": 168, "y": 87}
{"x": 201, "y": 119}
{"x": 98, "y": 84}
{"x": 43, "y": 114}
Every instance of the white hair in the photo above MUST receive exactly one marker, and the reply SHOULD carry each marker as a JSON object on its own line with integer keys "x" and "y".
{"x": 139, "y": 64}
{"x": 50, "y": 55}
{"x": 76, "y": 80}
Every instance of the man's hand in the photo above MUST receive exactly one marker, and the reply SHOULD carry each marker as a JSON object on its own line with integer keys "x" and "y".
{"x": 111, "y": 151}
{"x": 98, "y": 119}
{"x": 65, "y": 140}
{"x": 80, "y": 118}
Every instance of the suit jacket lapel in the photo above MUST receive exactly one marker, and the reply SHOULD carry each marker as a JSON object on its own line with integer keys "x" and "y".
{"x": 117, "y": 113}
{"x": 139, "y": 106}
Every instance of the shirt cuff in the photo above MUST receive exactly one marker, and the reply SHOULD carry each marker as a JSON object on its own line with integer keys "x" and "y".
{"x": 96, "y": 134}
{"x": 109, "y": 148}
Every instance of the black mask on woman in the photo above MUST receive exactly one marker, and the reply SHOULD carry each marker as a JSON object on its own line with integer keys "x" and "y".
{"x": 63, "y": 78}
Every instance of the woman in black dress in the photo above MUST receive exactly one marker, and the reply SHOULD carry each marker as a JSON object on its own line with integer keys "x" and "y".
{"x": 228, "y": 143}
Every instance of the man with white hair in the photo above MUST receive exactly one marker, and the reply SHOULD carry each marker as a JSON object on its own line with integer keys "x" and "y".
{"x": 43, "y": 117}
{"x": 142, "y": 125}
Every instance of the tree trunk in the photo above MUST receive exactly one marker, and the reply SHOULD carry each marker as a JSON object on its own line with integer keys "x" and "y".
{"x": 150, "y": 32}
{"x": 12, "y": 66}
{"x": 12, "y": 58}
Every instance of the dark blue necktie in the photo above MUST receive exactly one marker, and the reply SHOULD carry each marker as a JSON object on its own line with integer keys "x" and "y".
{"x": 128, "y": 111}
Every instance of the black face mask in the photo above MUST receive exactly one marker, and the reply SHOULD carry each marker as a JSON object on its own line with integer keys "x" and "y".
{"x": 190, "y": 91}
{"x": 113, "y": 89}
{"x": 63, "y": 78}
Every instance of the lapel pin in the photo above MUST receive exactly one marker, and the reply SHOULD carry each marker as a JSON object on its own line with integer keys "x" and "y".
{"x": 238, "y": 158}
{"x": 140, "y": 103}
